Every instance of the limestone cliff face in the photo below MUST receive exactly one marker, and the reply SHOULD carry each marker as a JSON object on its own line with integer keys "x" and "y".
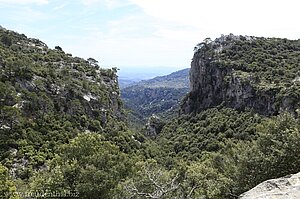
{"x": 281, "y": 188}
{"x": 216, "y": 79}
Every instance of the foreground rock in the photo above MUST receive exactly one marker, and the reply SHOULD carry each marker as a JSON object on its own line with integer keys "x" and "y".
{"x": 287, "y": 187}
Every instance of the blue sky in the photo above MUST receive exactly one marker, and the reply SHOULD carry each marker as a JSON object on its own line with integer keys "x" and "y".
{"x": 146, "y": 33}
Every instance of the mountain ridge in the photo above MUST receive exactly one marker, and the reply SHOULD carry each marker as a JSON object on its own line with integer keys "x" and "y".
{"x": 245, "y": 72}
{"x": 160, "y": 95}
{"x": 63, "y": 128}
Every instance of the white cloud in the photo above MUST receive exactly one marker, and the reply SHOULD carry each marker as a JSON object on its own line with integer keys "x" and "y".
{"x": 60, "y": 7}
{"x": 160, "y": 32}
{"x": 147, "y": 51}
{"x": 24, "y": 2}
{"x": 215, "y": 17}
{"x": 165, "y": 33}
{"x": 110, "y": 4}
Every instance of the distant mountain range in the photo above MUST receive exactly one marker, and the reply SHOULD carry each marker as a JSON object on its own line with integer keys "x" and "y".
{"x": 131, "y": 75}
{"x": 236, "y": 123}
{"x": 160, "y": 95}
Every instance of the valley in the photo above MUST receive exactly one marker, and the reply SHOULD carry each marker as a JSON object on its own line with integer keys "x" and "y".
{"x": 214, "y": 130}
{"x": 160, "y": 96}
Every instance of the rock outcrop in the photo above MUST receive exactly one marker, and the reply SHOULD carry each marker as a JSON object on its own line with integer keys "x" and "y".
{"x": 153, "y": 126}
{"x": 287, "y": 187}
{"x": 225, "y": 72}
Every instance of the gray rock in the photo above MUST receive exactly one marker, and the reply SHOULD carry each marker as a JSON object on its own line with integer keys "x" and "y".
{"x": 214, "y": 83}
{"x": 154, "y": 126}
{"x": 287, "y": 187}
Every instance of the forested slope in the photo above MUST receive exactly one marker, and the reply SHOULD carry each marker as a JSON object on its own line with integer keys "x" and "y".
{"x": 63, "y": 131}
{"x": 160, "y": 96}
{"x": 61, "y": 119}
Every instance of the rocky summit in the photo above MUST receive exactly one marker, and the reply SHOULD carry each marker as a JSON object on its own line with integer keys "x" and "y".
{"x": 241, "y": 72}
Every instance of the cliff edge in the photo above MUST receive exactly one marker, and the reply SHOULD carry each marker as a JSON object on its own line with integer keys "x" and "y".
{"x": 242, "y": 72}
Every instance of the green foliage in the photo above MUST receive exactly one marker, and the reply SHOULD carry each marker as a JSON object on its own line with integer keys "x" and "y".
{"x": 150, "y": 180}
{"x": 202, "y": 180}
{"x": 47, "y": 97}
{"x": 62, "y": 128}
{"x": 160, "y": 96}
{"x": 274, "y": 60}
{"x": 88, "y": 165}
{"x": 188, "y": 136}
{"x": 271, "y": 65}
{"x": 274, "y": 154}
{"x": 7, "y": 187}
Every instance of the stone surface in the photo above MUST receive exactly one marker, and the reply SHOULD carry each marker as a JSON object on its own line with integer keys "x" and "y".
{"x": 213, "y": 83}
{"x": 153, "y": 126}
{"x": 287, "y": 187}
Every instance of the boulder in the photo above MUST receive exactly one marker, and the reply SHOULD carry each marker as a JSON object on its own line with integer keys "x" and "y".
{"x": 287, "y": 187}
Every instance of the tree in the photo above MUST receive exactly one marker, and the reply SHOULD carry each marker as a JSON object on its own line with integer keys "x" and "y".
{"x": 150, "y": 180}
{"x": 203, "y": 180}
{"x": 207, "y": 40}
{"x": 92, "y": 61}
{"x": 58, "y": 48}
{"x": 7, "y": 187}
{"x": 6, "y": 40}
{"x": 9, "y": 116}
{"x": 88, "y": 165}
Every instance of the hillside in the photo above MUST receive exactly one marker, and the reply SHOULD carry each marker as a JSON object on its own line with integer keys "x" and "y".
{"x": 128, "y": 76}
{"x": 225, "y": 126}
{"x": 245, "y": 72}
{"x": 64, "y": 131}
{"x": 178, "y": 79}
{"x": 160, "y": 95}
{"x": 58, "y": 113}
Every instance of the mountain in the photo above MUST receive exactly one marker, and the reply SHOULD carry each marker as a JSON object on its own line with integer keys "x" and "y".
{"x": 125, "y": 82}
{"x": 59, "y": 114}
{"x": 239, "y": 125}
{"x": 160, "y": 95}
{"x": 178, "y": 79}
{"x": 37, "y": 81}
{"x": 130, "y": 75}
{"x": 245, "y": 72}
{"x": 64, "y": 131}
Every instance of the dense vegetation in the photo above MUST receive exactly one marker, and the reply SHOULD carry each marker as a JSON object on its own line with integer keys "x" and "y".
{"x": 63, "y": 134}
{"x": 270, "y": 66}
{"x": 47, "y": 98}
{"x": 271, "y": 60}
{"x": 160, "y": 96}
{"x": 273, "y": 64}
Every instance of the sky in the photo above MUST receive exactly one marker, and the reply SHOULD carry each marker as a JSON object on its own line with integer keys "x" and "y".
{"x": 146, "y": 33}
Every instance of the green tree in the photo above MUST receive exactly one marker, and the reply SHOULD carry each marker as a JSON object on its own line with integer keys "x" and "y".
{"x": 204, "y": 180}
{"x": 7, "y": 187}
{"x": 150, "y": 180}
{"x": 88, "y": 165}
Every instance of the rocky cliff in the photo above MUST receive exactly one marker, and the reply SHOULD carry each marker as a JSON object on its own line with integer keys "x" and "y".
{"x": 281, "y": 188}
{"x": 245, "y": 73}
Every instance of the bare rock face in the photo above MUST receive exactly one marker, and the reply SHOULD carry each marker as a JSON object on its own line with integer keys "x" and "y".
{"x": 217, "y": 81}
{"x": 153, "y": 126}
{"x": 287, "y": 187}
